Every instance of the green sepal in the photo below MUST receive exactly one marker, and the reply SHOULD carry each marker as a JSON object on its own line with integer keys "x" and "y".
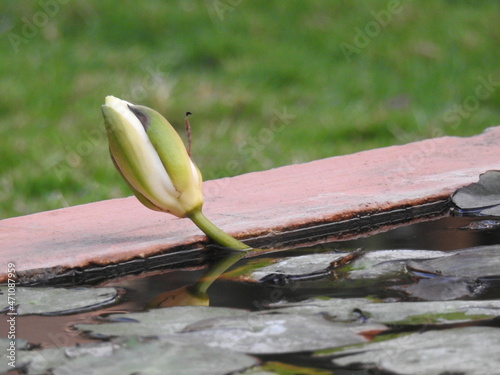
{"x": 133, "y": 157}
{"x": 169, "y": 146}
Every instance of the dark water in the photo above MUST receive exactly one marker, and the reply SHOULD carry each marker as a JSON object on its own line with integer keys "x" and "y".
{"x": 446, "y": 234}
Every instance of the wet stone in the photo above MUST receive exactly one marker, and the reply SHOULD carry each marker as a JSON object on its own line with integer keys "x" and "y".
{"x": 465, "y": 351}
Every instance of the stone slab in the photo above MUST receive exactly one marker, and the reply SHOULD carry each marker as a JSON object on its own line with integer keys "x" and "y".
{"x": 250, "y": 205}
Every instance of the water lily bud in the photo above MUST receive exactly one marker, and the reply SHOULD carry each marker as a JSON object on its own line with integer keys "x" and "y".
{"x": 151, "y": 158}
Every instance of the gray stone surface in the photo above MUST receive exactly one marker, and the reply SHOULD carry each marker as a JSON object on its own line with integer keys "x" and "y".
{"x": 465, "y": 351}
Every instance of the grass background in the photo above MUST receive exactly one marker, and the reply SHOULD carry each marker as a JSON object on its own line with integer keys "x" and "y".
{"x": 411, "y": 71}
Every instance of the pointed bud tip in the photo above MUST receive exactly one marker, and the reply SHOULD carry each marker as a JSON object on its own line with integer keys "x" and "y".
{"x": 111, "y": 101}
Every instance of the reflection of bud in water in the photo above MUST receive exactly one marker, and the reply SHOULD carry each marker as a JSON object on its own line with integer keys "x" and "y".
{"x": 185, "y": 296}
{"x": 196, "y": 294}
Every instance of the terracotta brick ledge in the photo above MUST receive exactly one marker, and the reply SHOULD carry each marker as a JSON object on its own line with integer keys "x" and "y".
{"x": 249, "y": 205}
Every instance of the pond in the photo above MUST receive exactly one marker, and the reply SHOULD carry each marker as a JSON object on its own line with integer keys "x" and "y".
{"x": 421, "y": 298}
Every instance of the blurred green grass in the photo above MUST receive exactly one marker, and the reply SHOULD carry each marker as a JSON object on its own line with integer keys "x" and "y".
{"x": 239, "y": 66}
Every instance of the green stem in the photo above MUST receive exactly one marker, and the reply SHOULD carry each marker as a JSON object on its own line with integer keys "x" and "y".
{"x": 214, "y": 233}
{"x": 214, "y": 271}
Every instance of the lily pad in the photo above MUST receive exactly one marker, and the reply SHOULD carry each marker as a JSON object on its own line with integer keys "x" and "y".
{"x": 480, "y": 198}
{"x": 465, "y": 351}
{"x": 298, "y": 265}
{"x": 388, "y": 262}
{"x": 58, "y": 301}
{"x": 131, "y": 356}
{"x": 337, "y": 308}
{"x": 470, "y": 263}
{"x": 158, "y": 322}
{"x": 236, "y": 330}
{"x": 160, "y": 358}
{"x": 5, "y": 354}
{"x": 370, "y": 265}
{"x": 442, "y": 288}
{"x": 259, "y": 333}
{"x": 39, "y": 362}
{"x": 395, "y": 312}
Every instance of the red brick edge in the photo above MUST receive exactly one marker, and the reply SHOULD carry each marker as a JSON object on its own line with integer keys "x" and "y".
{"x": 250, "y": 205}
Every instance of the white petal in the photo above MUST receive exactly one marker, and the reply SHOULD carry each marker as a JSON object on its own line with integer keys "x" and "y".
{"x": 159, "y": 181}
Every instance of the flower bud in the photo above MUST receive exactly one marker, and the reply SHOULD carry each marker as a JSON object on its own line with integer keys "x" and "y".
{"x": 152, "y": 159}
